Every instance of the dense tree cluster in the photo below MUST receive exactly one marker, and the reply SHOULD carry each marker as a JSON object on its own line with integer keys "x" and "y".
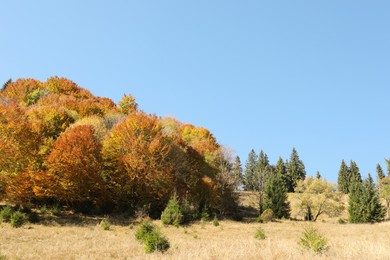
{"x": 61, "y": 144}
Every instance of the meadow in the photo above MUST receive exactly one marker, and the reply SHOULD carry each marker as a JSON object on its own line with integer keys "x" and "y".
{"x": 82, "y": 237}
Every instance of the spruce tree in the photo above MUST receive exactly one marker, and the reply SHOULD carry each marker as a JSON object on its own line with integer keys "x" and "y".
{"x": 262, "y": 171}
{"x": 318, "y": 175}
{"x": 380, "y": 173}
{"x": 281, "y": 169}
{"x": 276, "y": 197}
{"x": 295, "y": 170}
{"x": 343, "y": 178}
{"x": 364, "y": 204}
{"x": 250, "y": 170}
{"x": 5, "y": 85}
{"x": 237, "y": 172}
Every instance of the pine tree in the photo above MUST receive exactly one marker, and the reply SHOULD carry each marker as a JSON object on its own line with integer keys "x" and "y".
{"x": 318, "y": 175}
{"x": 281, "y": 169}
{"x": 5, "y": 85}
{"x": 237, "y": 172}
{"x": 364, "y": 204}
{"x": 354, "y": 174}
{"x": 263, "y": 169}
{"x": 343, "y": 178}
{"x": 295, "y": 170}
{"x": 250, "y": 170}
{"x": 276, "y": 197}
{"x": 380, "y": 173}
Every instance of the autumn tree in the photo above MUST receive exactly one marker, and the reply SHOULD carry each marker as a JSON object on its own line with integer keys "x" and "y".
{"x": 317, "y": 197}
{"x": 73, "y": 169}
{"x": 127, "y": 105}
{"x": 136, "y": 163}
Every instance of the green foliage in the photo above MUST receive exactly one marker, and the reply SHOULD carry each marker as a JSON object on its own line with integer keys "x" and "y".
{"x": 172, "y": 214}
{"x": 260, "y": 234}
{"x": 205, "y": 215}
{"x": 156, "y": 242}
{"x": 343, "y": 178}
{"x": 364, "y": 204}
{"x": 267, "y": 215}
{"x": 312, "y": 239}
{"x": 380, "y": 172}
{"x": 295, "y": 171}
{"x": 105, "y": 224}
{"x": 151, "y": 237}
{"x": 43, "y": 209}
{"x": 215, "y": 221}
{"x": 237, "y": 172}
{"x": 17, "y": 219}
{"x": 6, "y": 213}
{"x": 275, "y": 195}
{"x": 250, "y": 171}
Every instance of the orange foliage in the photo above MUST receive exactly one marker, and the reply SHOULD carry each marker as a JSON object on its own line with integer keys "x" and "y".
{"x": 74, "y": 167}
{"x": 25, "y": 91}
{"x": 136, "y": 158}
{"x": 128, "y": 105}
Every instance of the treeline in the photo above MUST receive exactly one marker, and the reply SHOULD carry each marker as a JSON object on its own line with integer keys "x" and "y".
{"x": 61, "y": 144}
{"x": 316, "y": 196}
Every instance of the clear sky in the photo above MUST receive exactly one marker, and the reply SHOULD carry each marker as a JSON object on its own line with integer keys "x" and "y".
{"x": 268, "y": 75}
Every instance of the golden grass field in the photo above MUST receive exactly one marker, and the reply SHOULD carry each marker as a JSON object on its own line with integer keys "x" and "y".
{"x": 231, "y": 240}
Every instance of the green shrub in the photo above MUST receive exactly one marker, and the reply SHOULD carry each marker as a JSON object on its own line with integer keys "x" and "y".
{"x": 149, "y": 234}
{"x": 267, "y": 215}
{"x": 6, "y": 213}
{"x": 172, "y": 214}
{"x": 260, "y": 234}
{"x": 313, "y": 240}
{"x": 259, "y": 219}
{"x": 156, "y": 242}
{"x": 56, "y": 210}
{"x": 43, "y": 209}
{"x": 215, "y": 221}
{"x": 33, "y": 217}
{"x": 17, "y": 219}
{"x": 145, "y": 228}
{"x": 205, "y": 216}
{"x": 105, "y": 224}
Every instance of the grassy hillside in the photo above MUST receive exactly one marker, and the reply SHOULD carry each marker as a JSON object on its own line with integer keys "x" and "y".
{"x": 71, "y": 236}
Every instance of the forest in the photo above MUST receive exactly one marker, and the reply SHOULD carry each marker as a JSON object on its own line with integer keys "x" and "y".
{"x": 60, "y": 144}
{"x": 61, "y": 147}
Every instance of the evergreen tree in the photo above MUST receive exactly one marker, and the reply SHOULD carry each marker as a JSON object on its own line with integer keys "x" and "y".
{"x": 388, "y": 167}
{"x": 5, "y": 85}
{"x": 380, "y": 173}
{"x": 237, "y": 172}
{"x": 364, "y": 204}
{"x": 262, "y": 172}
{"x": 276, "y": 197}
{"x": 343, "y": 178}
{"x": 318, "y": 175}
{"x": 250, "y": 170}
{"x": 281, "y": 169}
{"x": 295, "y": 170}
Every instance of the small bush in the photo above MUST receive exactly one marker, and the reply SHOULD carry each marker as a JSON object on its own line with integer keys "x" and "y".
{"x": 342, "y": 221}
{"x": 17, "y": 219}
{"x": 260, "y": 234}
{"x": 259, "y": 219}
{"x": 156, "y": 242}
{"x": 56, "y": 210}
{"x": 313, "y": 240}
{"x": 267, "y": 215}
{"x": 172, "y": 214}
{"x": 146, "y": 228}
{"x": 33, "y": 217}
{"x": 215, "y": 221}
{"x": 43, "y": 209}
{"x": 205, "y": 216}
{"x": 5, "y": 213}
{"x": 105, "y": 224}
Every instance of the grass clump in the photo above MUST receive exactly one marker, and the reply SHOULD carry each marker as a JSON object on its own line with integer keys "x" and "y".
{"x": 17, "y": 219}
{"x": 6, "y": 213}
{"x": 105, "y": 224}
{"x": 152, "y": 238}
{"x": 313, "y": 240}
{"x": 267, "y": 216}
{"x": 260, "y": 234}
{"x": 215, "y": 221}
{"x": 172, "y": 214}
{"x": 342, "y": 221}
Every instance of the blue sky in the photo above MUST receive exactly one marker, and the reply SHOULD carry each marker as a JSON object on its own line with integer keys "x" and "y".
{"x": 268, "y": 75}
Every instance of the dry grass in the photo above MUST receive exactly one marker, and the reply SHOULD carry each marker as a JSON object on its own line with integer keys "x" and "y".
{"x": 230, "y": 240}
{"x": 72, "y": 237}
